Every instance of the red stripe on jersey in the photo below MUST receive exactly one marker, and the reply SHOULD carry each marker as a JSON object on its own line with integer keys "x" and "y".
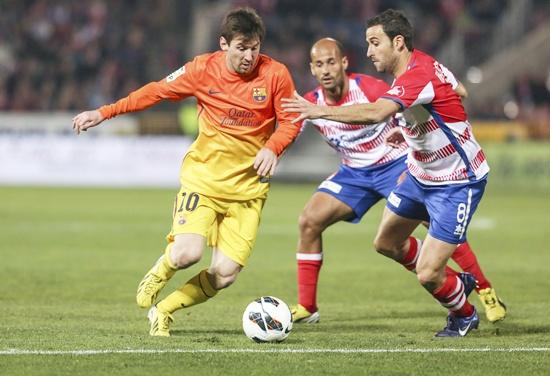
{"x": 394, "y": 154}
{"x": 459, "y": 174}
{"x": 343, "y": 126}
{"x": 421, "y": 129}
{"x": 464, "y": 136}
{"x": 478, "y": 160}
{"x": 426, "y": 157}
{"x": 379, "y": 140}
{"x": 444, "y": 152}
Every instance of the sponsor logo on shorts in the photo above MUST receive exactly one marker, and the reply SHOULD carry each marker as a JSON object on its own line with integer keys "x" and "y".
{"x": 331, "y": 186}
{"x": 394, "y": 200}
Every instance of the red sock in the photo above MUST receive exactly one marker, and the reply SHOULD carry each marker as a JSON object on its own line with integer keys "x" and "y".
{"x": 410, "y": 259}
{"x": 309, "y": 265}
{"x": 467, "y": 260}
{"x": 451, "y": 296}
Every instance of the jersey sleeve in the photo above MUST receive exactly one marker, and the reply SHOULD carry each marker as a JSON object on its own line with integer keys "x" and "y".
{"x": 178, "y": 85}
{"x": 286, "y": 131}
{"x": 411, "y": 88}
{"x": 449, "y": 76}
{"x": 372, "y": 87}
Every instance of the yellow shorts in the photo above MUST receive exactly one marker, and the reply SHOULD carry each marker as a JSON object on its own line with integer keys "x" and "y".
{"x": 230, "y": 226}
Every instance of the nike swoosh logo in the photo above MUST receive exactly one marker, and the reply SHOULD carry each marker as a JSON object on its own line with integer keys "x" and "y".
{"x": 213, "y": 92}
{"x": 463, "y": 332}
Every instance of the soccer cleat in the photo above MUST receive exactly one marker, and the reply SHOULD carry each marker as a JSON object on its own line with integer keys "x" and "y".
{"x": 459, "y": 326}
{"x": 469, "y": 282}
{"x": 150, "y": 285}
{"x": 160, "y": 322}
{"x": 495, "y": 309}
{"x": 301, "y": 315}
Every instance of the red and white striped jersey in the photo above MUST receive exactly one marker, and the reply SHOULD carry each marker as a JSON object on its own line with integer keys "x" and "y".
{"x": 358, "y": 145}
{"x": 443, "y": 149}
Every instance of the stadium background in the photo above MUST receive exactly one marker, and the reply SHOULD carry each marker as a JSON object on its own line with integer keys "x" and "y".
{"x": 80, "y": 217}
{"x": 58, "y": 58}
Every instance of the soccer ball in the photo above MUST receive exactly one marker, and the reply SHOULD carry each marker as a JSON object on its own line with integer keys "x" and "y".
{"x": 267, "y": 319}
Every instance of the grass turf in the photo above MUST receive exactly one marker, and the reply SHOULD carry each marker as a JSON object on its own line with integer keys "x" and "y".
{"x": 72, "y": 258}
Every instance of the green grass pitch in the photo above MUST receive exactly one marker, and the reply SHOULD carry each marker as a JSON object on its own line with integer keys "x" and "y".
{"x": 71, "y": 260}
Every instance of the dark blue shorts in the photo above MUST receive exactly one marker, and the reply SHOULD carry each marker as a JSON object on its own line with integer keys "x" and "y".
{"x": 449, "y": 208}
{"x": 361, "y": 188}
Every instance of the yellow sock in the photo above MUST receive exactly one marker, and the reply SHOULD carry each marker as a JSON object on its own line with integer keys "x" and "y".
{"x": 165, "y": 269}
{"x": 197, "y": 290}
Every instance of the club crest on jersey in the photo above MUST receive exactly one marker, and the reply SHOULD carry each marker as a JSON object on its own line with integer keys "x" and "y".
{"x": 259, "y": 94}
{"x": 398, "y": 91}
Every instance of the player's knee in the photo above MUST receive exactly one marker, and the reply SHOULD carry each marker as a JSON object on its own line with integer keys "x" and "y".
{"x": 427, "y": 277}
{"x": 224, "y": 278}
{"x": 387, "y": 247}
{"x": 309, "y": 225}
{"x": 382, "y": 245}
{"x": 184, "y": 256}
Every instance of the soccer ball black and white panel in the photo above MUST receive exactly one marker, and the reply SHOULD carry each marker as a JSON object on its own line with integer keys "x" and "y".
{"x": 267, "y": 319}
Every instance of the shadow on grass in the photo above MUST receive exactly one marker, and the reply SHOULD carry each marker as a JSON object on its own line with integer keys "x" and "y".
{"x": 218, "y": 336}
{"x": 213, "y": 332}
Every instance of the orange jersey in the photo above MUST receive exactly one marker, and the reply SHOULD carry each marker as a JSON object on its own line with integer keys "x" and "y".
{"x": 237, "y": 117}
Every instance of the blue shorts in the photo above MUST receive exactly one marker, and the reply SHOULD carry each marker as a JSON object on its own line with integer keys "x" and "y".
{"x": 361, "y": 188}
{"x": 448, "y": 208}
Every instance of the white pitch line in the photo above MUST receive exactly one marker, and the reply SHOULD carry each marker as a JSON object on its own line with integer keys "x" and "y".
{"x": 268, "y": 351}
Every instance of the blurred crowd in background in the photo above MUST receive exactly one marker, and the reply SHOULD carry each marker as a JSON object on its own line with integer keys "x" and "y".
{"x": 75, "y": 55}
{"x": 293, "y": 26}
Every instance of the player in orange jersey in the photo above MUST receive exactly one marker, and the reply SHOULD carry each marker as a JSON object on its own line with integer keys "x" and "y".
{"x": 225, "y": 173}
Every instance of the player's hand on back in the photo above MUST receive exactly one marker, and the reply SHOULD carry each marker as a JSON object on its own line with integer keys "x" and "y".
{"x": 86, "y": 119}
{"x": 265, "y": 162}
{"x": 394, "y": 137}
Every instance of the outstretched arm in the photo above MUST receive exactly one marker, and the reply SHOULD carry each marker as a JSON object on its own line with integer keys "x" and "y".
{"x": 178, "y": 85}
{"x": 138, "y": 100}
{"x": 367, "y": 113}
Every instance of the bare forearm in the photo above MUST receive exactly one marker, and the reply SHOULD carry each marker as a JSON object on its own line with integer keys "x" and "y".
{"x": 354, "y": 114}
{"x": 366, "y": 113}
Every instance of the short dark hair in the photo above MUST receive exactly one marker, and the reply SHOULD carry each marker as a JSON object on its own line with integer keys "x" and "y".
{"x": 394, "y": 23}
{"x": 244, "y": 21}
